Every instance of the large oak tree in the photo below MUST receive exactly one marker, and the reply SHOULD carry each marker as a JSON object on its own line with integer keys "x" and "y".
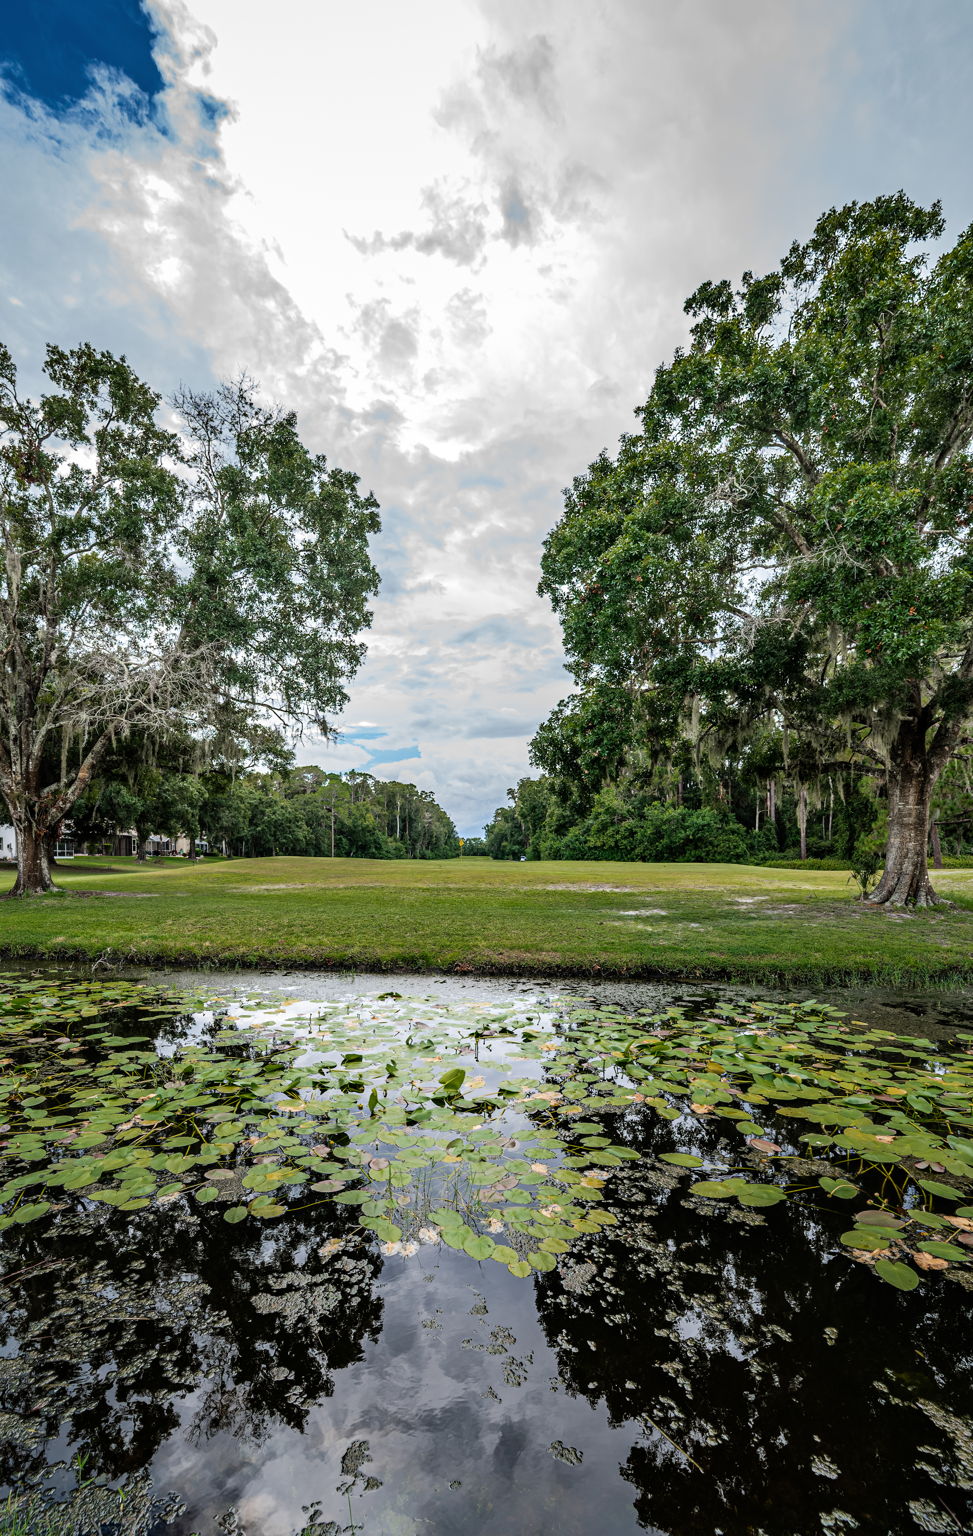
{"x": 155, "y": 579}
{"x": 787, "y": 535}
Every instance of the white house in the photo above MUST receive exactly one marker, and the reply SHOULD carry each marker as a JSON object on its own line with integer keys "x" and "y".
{"x": 124, "y": 843}
{"x": 63, "y": 848}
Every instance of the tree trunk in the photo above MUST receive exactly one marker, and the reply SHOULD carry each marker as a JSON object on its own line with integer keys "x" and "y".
{"x": 937, "y": 847}
{"x": 802, "y": 819}
{"x": 33, "y": 874}
{"x": 141, "y": 851}
{"x": 905, "y": 881}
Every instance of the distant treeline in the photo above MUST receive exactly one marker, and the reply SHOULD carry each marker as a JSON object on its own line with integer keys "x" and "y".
{"x": 713, "y": 817}
{"x": 299, "y": 811}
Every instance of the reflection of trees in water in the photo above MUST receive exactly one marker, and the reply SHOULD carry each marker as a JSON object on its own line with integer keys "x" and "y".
{"x": 709, "y": 1325}
{"x": 145, "y": 1308}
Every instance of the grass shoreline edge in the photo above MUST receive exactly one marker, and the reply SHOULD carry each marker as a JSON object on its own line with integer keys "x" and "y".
{"x": 802, "y": 975}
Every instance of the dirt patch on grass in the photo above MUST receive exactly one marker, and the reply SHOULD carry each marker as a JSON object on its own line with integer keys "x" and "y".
{"x": 260, "y": 890}
{"x": 585, "y": 885}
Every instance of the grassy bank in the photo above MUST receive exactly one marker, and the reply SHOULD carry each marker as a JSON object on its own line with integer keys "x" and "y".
{"x": 698, "y": 921}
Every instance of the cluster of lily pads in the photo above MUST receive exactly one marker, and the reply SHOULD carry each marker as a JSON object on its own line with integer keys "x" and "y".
{"x": 365, "y": 1105}
{"x": 892, "y": 1112}
{"x": 489, "y": 1128}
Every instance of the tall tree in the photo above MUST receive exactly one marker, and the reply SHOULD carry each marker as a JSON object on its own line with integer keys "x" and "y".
{"x": 155, "y": 579}
{"x": 787, "y": 535}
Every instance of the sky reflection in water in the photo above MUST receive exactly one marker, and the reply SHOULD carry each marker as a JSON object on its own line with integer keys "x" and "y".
{"x": 734, "y": 1374}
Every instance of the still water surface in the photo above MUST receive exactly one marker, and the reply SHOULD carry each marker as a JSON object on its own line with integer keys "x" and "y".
{"x": 735, "y": 1375}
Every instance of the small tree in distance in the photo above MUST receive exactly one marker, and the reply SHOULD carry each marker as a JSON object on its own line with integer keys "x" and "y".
{"x": 787, "y": 536}
{"x": 154, "y": 580}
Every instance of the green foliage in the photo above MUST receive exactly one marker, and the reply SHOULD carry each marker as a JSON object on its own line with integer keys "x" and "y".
{"x": 622, "y": 824}
{"x": 156, "y": 582}
{"x": 516, "y": 830}
{"x": 785, "y": 538}
{"x": 866, "y": 861}
{"x": 656, "y": 834}
{"x": 304, "y": 812}
{"x": 788, "y": 863}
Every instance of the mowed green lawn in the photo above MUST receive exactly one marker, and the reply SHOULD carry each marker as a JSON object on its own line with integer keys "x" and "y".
{"x": 715, "y": 921}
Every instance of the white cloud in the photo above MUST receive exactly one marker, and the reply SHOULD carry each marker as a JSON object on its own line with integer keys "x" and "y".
{"x": 456, "y": 236}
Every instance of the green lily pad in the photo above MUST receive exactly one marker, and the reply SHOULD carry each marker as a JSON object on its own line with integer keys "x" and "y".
{"x": 760, "y": 1195}
{"x": 946, "y": 1251}
{"x": 840, "y": 1189}
{"x": 455, "y": 1237}
{"x": 894, "y": 1273}
{"x": 864, "y": 1237}
{"x": 479, "y": 1247}
{"x": 31, "y": 1212}
{"x": 503, "y": 1254}
{"x": 387, "y": 1231}
{"x": 944, "y": 1191}
{"x": 264, "y": 1207}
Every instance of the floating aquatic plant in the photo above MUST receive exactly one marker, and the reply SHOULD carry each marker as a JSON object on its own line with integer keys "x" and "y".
{"x": 488, "y": 1128}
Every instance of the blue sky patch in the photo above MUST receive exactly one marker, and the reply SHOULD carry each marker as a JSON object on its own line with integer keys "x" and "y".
{"x": 50, "y": 48}
{"x": 361, "y": 733}
{"x": 392, "y": 755}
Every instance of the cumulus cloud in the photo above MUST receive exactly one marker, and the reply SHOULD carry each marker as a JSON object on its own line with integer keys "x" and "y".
{"x": 455, "y": 227}
{"x": 461, "y": 264}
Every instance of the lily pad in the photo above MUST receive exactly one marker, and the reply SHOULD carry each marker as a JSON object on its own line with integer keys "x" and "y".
{"x": 944, "y": 1191}
{"x": 897, "y": 1274}
{"x": 864, "y": 1237}
{"x": 840, "y": 1189}
{"x": 945, "y": 1251}
{"x": 479, "y": 1247}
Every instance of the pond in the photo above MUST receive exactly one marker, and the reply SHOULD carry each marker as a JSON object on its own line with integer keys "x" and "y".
{"x": 481, "y": 1259}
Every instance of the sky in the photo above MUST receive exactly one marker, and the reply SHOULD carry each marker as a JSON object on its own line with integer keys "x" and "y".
{"x": 455, "y": 236}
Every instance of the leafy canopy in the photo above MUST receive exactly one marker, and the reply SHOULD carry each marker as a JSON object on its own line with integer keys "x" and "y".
{"x": 788, "y": 531}
{"x": 163, "y": 580}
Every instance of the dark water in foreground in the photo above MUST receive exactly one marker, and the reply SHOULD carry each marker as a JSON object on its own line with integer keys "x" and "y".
{"x": 672, "y": 1374}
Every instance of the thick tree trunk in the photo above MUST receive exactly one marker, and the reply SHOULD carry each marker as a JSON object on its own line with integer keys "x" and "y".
{"x": 33, "y": 873}
{"x": 141, "y": 851}
{"x": 905, "y": 881}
